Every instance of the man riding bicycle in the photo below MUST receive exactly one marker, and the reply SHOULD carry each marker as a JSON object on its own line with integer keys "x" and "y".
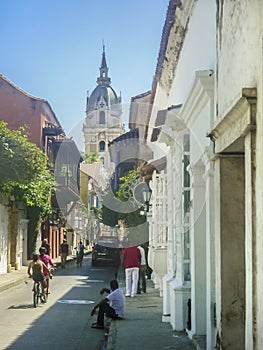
{"x": 37, "y": 267}
{"x": 80, "y": 252}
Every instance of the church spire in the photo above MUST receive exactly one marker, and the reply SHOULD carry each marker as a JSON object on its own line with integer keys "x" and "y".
{"x": 103, "y": 79}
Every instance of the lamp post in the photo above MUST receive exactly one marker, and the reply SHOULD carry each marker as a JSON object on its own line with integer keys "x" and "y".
{"x": 147, "y": 194}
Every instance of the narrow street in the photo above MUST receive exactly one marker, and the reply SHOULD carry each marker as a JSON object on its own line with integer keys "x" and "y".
{"x": 64, "y": 322}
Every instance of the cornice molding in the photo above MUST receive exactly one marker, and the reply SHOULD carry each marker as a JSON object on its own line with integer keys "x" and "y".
{"x": 237, "y": 123}
{"x": 201, "y": 94}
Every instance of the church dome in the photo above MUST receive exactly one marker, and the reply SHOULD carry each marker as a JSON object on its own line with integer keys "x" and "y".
{"x": 103, "y": 96}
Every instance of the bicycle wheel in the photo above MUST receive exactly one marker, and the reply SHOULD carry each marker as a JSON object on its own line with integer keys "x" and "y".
{"x": 36, "y": 294}
{"x": 43, "y": 297}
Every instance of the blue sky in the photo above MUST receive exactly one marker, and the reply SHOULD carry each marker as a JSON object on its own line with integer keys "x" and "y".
{"x": 52, "y": 48}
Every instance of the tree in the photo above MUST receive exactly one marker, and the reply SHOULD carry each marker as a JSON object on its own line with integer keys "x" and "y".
{"x": 125, "y": 193}
{"x": 24, "y": 173}
{"x": 90, "y": 158}
{"x": 19, "y": 158}
{"x": 125, "y": 208}
{"x": 109, "y": 217}
{"x": 25, "y": 177}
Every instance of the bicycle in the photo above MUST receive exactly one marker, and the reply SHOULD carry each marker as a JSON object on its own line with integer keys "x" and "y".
{"x": 38, "y": 295}
{"x": 51, "y": 271}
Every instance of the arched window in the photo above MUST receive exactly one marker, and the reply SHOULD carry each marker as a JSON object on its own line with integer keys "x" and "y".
{"x": 102, "y": 146}
{"x": 102, "y": 117}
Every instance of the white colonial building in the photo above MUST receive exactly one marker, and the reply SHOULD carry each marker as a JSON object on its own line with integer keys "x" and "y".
{"x": 207, "y": 111}
{"x": 208, "y": 90}
{"x": 184, "y": 94}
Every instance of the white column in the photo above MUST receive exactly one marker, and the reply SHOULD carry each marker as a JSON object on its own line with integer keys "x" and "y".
{"x": 179, "y": 289}
{"x": 198, "y": 250}
{"x": 171, "y": 173}
{"x": 210, "y": 249}
{"x": 159, "y": 226}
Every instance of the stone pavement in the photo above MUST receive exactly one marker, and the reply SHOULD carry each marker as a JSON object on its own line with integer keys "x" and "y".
{"x": 143, "y": 328}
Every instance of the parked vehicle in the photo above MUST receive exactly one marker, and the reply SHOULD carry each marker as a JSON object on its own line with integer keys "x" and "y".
{"x": 107, "y": 250}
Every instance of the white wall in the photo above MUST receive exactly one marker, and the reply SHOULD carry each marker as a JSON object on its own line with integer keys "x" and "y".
{"x": 193, "y": 87}
{"x": 198, "y": 52}
{"x": 3, "y": 233}
{"x": 240, "y": 65}
{"x": 239, "y": 49}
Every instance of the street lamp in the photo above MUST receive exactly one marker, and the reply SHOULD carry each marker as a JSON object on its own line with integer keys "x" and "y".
{"x": 147, "y": 194}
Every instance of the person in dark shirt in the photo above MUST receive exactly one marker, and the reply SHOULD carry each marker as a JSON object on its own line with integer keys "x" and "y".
{"x": 80, "y": 252}
{"x": 63, "y": 253}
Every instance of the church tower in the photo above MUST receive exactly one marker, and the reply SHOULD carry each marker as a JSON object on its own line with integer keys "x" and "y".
{"x": 103, "y": 116}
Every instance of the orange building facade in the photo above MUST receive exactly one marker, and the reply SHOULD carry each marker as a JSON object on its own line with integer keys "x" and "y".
{"x": 20, "y": 109}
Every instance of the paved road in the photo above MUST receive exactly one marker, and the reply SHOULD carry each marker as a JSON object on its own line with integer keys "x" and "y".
{"x": 64, "y": 322}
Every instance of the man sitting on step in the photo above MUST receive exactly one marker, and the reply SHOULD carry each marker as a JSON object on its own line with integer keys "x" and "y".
{"x": 112, "y": 306}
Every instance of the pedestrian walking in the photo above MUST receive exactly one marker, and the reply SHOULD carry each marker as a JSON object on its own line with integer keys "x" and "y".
{"x": 142, "y": 272}
{"x": 63, "y": 253}
{"x": 131, "y": 259}
{"x": 112, "y": 306}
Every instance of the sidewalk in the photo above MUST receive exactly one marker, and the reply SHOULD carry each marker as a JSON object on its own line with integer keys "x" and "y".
{"x": 11, "y": 279}
{"x": 143, "y": 328}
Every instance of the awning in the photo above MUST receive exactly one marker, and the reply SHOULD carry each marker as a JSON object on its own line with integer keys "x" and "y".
{"x": 156, "y": 165}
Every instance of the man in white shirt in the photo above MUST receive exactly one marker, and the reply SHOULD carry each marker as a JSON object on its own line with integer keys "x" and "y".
{"x": 142, "y": 272}
{"x": 113, "y": 305}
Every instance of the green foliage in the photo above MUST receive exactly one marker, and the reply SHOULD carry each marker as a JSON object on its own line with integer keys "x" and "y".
{"x": 23, "y": 171}
{"x": 19, "y": 158}
{"x": 127, "y": 181}
{"x": 109, "y": 217}
{"x": 90, "y": 158}
{"x": 98, "y": 213}
{"x": 131, "y": 217}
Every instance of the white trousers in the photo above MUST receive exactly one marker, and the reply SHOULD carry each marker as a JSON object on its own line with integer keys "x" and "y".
{"x": 132, "y": 276}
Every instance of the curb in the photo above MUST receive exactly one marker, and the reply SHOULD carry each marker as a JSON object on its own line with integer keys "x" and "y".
{"x": 13, "y": 283}
{"x": 112, "y": 336}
